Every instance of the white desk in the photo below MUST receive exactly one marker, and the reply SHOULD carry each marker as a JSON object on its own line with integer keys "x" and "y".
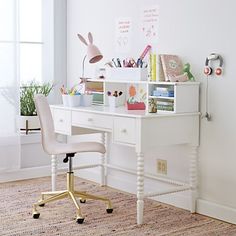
{"x": 139, "y": 130}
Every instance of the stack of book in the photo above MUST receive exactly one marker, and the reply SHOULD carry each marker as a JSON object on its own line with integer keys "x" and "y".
{"x": 163, "y": 92}
{"x": 165, "y": 106}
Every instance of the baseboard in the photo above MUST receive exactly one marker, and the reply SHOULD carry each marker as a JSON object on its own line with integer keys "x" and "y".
{"x": 217, "y": 211}
{"x": 89, "y": 174}
{"x": 25, "y": 173}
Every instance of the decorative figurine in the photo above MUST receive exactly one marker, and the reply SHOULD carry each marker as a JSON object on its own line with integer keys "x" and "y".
{"x": 186, "y": 70}
{"x": 152, "y": 106}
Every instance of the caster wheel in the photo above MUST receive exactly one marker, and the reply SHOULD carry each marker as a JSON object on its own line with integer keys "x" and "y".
{"x": 42, "y": 205}
{"x": 36, "y": 215}
{"x": 109, "y": 211}
{"x": 82, "y": 200}
{"x": 80, "y": 220}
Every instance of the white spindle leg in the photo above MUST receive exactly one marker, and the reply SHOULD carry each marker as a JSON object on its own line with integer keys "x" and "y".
{"x": 140, "y": 187}
{"x": 104, "y": 160}
{"x": 54, "y": 171}
{"x": 107, "y": 155}
{"x": 193, "y": 178}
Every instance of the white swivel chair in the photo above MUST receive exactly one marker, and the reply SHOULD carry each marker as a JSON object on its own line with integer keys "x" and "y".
{"x": 53, "y": 147}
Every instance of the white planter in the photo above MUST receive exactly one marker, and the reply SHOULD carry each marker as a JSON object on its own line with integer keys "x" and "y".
{"x": 29, "y": 123}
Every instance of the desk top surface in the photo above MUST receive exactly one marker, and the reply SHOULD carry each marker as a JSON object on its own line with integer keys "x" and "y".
{"x": 122, "y": 111}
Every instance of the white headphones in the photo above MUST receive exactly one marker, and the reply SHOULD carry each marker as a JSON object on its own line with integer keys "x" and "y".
{"x": 208, "y": 69}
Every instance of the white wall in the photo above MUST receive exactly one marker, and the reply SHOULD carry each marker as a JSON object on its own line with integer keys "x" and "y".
{"x": 59, "y": 48}
{"x": 191, "y": 29}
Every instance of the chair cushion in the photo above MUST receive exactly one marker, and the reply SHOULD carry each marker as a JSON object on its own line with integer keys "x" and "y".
{"x": 63, "y": 148}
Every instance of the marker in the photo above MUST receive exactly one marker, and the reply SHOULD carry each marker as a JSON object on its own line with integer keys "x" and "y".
{"x": 144, "y": 53}
{"x": 139, "y": 63}
{"x": 118, "y": 62}
{"x": 115, "y": 94}
{"x": 109, "y": 63}
{"x": 113, "y": 60}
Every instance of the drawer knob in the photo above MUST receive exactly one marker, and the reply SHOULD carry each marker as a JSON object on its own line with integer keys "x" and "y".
{"x": 90, "y": 119}
{"x": 61, "y": 120}
{"x": 123, "y": 131}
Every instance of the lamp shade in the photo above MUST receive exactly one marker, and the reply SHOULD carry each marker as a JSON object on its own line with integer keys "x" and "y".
{"x": 93, "y": 54}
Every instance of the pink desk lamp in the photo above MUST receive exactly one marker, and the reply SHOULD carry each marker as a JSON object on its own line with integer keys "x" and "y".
{"x": 93, "y": 53}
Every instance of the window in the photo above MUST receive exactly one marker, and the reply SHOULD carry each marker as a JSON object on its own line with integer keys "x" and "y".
{"x": 30, "y": 36}
{"x": 36, "y": 40}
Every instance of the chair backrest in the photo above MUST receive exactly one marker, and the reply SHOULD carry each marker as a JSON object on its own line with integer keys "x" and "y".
{"x": 46, "y": 122}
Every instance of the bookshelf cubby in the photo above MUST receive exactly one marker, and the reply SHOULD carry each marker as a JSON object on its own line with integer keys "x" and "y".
{"x": 183, "y": 98}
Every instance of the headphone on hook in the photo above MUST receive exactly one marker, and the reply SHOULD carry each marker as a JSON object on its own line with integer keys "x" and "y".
{"x": 208, "y": 69}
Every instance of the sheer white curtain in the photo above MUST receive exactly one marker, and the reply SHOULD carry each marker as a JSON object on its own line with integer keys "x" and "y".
{"x": 9, "y": 86}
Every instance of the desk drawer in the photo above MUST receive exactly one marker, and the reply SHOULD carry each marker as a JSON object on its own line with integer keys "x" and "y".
{"x": 124, "y": 130}
{"x": 91, "y": 120}
{"x": 62, "y": 121}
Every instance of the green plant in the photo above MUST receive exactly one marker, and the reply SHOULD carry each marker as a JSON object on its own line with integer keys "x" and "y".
{"x": 27, "y": 92}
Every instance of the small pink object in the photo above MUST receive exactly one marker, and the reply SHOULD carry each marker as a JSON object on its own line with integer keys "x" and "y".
{"x": 93, "y": 53}
{"x": 136, "y": 106}
{"x": 145, "y": 52}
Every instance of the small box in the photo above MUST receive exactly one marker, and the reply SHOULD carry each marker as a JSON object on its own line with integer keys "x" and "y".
{"x": 136, "y": 106}
{"x": 127, "y": 74}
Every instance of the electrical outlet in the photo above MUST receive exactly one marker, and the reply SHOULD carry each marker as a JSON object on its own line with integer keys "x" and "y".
{"x": 162, "y": 167}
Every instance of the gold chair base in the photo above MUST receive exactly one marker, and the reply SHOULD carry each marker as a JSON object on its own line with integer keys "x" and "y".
{"x": 47, "y": 197}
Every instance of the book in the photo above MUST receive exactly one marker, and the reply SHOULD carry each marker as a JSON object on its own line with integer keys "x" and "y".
{"x": 154, "y": 67}
{"x": 150, "y": 67}
{"x": 160, "y": 72}
{"x": 172, "y": 66}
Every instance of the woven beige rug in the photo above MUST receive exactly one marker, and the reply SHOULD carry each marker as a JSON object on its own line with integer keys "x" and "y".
{"x": 58, "y": 218}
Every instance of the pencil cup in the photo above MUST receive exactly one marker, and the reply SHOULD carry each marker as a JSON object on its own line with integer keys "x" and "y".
{"x": 112, "y": 101}
{"x": 65, "y": 100}
{"x": 74, "y": 100}
{"x": 86, "y": 100}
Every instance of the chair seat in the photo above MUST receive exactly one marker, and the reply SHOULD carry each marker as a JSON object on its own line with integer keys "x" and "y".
{"x": 64, "y": 148}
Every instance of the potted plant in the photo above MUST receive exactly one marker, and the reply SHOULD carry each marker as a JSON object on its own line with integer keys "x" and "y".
{"x": 29, "y": 119}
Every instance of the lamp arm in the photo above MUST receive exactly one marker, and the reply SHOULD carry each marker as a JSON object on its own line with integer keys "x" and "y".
{"x": 83, "y": 66}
